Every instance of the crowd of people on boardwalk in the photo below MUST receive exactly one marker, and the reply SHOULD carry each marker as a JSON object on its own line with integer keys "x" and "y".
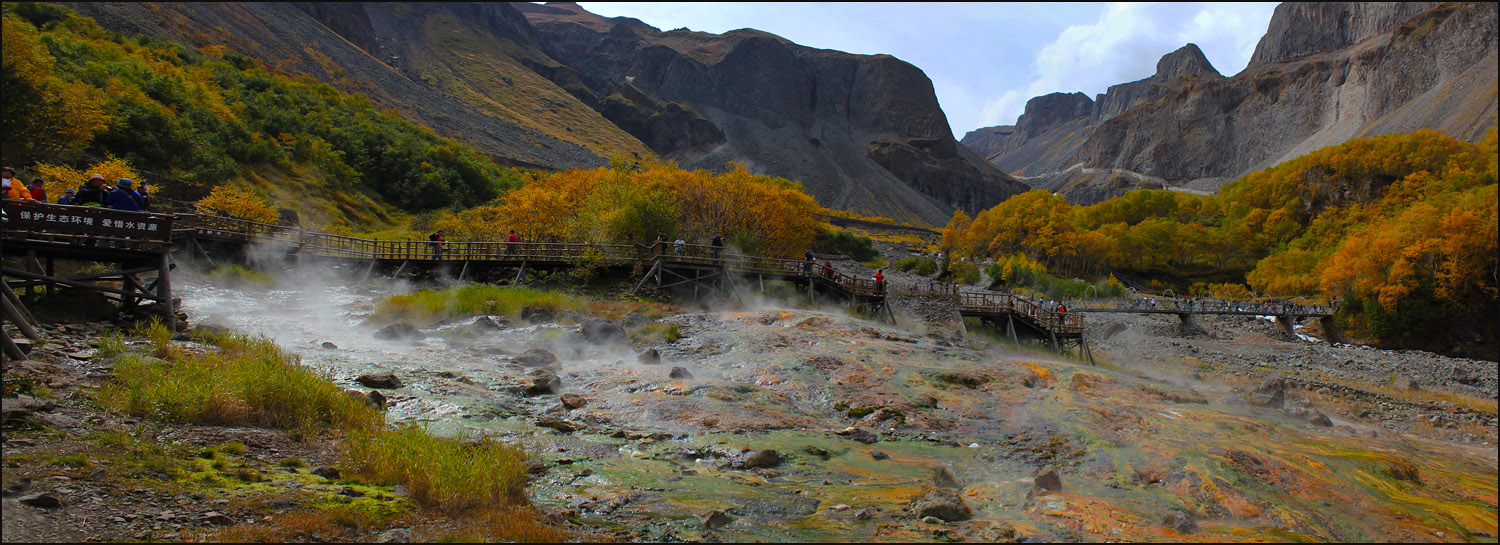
{"x": 94, "y": 192}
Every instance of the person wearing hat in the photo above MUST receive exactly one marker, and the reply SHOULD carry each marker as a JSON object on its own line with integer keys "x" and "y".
{"x": 67, "y": 197}
{"x": 11, "y": 188}
{"x": 123, "y": 197}
{"x": 92, "y": 192}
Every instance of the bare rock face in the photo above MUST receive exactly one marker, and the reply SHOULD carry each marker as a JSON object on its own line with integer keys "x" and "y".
{"x": 838, "y": 122}
{"x": 1299, "y": 29}
{"x": 1323, "y": 73}
{"x": 942, "y": 503}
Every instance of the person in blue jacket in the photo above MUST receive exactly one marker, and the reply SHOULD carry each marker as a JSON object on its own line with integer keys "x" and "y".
{"x": 123, "y": 197}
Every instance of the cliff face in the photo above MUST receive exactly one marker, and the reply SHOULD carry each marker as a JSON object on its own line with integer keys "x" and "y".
{"x": 1324, "y": 73}
{"x": 861, "y": 132}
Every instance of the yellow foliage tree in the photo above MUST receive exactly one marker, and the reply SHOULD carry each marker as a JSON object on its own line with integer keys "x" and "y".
{"x": 237, "y": 203}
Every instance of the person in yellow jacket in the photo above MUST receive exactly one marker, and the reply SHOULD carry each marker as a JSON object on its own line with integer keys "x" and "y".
{"x": 12, "y": 188}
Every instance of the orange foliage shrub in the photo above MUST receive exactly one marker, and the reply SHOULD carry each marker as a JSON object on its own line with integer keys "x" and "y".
{"x": 237, "y": 203}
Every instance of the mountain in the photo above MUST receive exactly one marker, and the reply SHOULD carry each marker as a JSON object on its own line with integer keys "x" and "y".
{"x": 557, "y": 87}
{"x": 1323, "y": 73}
{"x": 862, "y": 132}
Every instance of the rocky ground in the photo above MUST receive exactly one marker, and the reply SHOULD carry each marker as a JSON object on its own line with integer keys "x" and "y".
{"x": 75, "y": 472}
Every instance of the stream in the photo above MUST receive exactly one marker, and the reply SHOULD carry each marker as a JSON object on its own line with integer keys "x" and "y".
{"x": 863, "y": 418}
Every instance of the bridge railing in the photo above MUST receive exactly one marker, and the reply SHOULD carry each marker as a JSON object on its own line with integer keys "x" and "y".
{"x": 1203, "y": 306}
{"x": 753, "y": 264}
{"x": 87, "y": 226}
{"x": 1060, "y": 322}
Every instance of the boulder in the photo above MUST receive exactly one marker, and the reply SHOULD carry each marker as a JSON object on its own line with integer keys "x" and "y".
{"x": 379, "y": 380}
{"x": 1271, "y": 394}
{"x": 400, "y": 331}
{"x": 1047, "y": 479}
{"x": 43, "y": 500}
{"x": 1181, "y": 521}
{"x": 716, "y": 519}
{"x": 535, "y": 314}
{"x": 326, "y": 473}
{"x": 942, "y": 478}
{"x": 330, "y": 346}
{"x": 649, "y": 357}
{"x": 861, "y": 435}
{"x": 543, "y": 384}
{"x": 486, "y": 323}
{"x": 558, "y": 424}
{"x": 761, "y": 458}
{"x": 679, "y": 372}
{"x": 602, "y": 331}
{"x": 573, "y": 401}
{"x": 941, "y": 503}
{"x": 878, "y": 455}
{"x": 536, "y": 357}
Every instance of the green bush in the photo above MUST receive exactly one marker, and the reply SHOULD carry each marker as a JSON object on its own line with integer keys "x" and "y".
{"x": 856, "y": 247}
{"x": 429, "y": 306}
{"x": 917, "y": 265}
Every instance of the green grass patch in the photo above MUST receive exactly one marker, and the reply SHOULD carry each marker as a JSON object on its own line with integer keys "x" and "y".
{"x": 426, "y": 307}
{"x": 917, "y": 265}
{"x": 243, "y": 381}
{"x": 235, "y": 276}
{"x": 450, "y": 474}
{"x": 657, "y": 332}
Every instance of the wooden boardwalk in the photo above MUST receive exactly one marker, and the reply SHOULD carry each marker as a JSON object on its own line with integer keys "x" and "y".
{"x": 141, "y": 242}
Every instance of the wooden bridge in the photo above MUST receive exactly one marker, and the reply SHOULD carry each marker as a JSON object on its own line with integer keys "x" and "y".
{"x": 142, "y": 243}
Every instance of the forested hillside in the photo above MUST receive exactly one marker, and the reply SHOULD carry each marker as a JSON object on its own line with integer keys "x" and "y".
{"x": 1400, "y": 228}
{"x": 74, "y": 90}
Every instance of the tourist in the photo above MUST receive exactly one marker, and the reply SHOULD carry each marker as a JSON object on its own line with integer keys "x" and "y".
{"x": 511, "y": 241}
{"x": 67, "y": 197}
{"x": 678, "y": 246}
{"x": 807, "y": 262}
{"x": 661, "y": 243}
{"x": 827, "y": 268}
{"x": 38, "y": 193}
{"x": 718, "y": 245}
{"x": 92, "y": 192}
{"x": 880, "y": 280}
{"x": 123, "y": 197}
{"x": 437, "y": 244}
{"x": 11, "y": 188}
{"x": 145, "y": 196}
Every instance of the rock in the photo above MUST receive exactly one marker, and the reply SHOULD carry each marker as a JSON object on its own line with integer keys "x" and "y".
{"x": 679, "y": 372}
{"x": 1406, "y": 383}
{"x": 380, "y": 380}
{"x": 877, "y": 455}
{"x": 716, "y": 519}
{"x": 864, "y": 514}
{"x": 43, "y": 500}
{"x": 573, "y": 401}
{"x": 362, "y": 396}
{"x": 1047, "y": 479}
{"x": 394, "y": 535}
{"x": 1311, "y": 416}
{"x": 635, "y": 318}
{"x": 942, "y": 503}
{"x": 544, "y": 384}
{"x": 536, "y": 357}
{"x": 1180, "y": 520}
{"x": 216, "y": 518}
{"x": 649, "y": 357}
{"x": 376, "y": 399}
{"x": 761, "y": 458}
{"x": 535, "y": 314}
{"x": 1271, "y": 394}
{"x": 326, "y": 473}
{"x": 21, "y": 486}
{"x": 1111, "y": 329}
{"x": 558, "y": 424}
{"x": 942, "y": 478}
{"x": 330, "y": 346}
{"x": 602, "y": 331}
{"x": 486, "y": 323}
{"x": 861, "y": 435}
{"x": 400, "y": 331}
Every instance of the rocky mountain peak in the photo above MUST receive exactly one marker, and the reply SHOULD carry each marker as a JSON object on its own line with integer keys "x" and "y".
{"x": 1184, "y": 62}
{"x": 1299, "y": 29}
{"x": 1048, "y": 111}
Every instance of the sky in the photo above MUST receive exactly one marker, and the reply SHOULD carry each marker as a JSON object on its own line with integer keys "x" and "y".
{"x": 986, "y": 60}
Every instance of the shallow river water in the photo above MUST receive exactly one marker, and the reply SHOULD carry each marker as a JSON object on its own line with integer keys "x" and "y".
{"x": 865, "y": 417}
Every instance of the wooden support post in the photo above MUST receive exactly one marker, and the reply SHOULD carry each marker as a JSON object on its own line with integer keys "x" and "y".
{"x": 520, "y": 273}
{"x": 8, "y": 346}
{"x": 1010, "y": 328}
{"x": 13, "y": 313}
{"x": 401, "y": 269}
{"x": 10, "y": 295}
{"x": 164, "y": 291}
{"x": 369, "y": 270}
{"x": 465, "y": 272}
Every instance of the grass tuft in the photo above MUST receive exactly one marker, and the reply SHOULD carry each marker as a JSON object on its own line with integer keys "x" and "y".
{"x": 449, "y": 474}
{"x": 426, "y": 307}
